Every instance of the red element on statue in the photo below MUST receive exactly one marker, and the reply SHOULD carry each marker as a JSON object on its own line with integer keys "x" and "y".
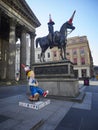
{"x": 71, "y": 19}
{"x": 50, "y": 20}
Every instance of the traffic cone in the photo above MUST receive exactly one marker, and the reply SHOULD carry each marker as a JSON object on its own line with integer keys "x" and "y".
{"x": 26, "y": 68}
{"x": 71, "y": 19}
{"x": 50, "y": 20}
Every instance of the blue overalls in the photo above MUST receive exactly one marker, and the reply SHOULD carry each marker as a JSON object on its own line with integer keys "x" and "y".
{"x": 35, "y": 89}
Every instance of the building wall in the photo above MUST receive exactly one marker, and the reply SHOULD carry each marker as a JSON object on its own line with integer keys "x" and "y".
{"x": 78, "y": 51}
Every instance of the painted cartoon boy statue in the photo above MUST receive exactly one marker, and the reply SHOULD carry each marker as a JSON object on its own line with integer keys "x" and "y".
{"x": 34, "y": 88}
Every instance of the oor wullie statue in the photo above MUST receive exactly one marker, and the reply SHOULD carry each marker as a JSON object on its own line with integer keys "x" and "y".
{"x": 36, "y": 91}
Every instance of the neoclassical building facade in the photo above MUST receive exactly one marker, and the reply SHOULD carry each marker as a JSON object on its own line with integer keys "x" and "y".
{"x": 16, "y": 20}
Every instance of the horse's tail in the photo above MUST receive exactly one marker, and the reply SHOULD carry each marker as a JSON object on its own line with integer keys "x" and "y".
{"x": 37, "y": 41}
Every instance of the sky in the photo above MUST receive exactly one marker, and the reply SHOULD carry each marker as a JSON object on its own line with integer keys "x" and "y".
{"x": 85, "y": 19}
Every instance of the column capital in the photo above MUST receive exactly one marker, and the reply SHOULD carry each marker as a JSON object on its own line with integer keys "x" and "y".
{"x": 1, "y": 11}
{"x": 32, "y": 35}
{"x": 23, "y": 28}
{"x": 13, "y": 21}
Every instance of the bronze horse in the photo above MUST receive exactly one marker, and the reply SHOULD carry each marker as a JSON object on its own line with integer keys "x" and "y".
{"x": 59, "y": 40}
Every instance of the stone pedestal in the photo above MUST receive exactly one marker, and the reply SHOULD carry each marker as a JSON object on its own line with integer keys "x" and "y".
{"x": 57, "y": 77}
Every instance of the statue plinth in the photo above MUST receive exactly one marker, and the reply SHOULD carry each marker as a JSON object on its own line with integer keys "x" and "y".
{"x": 57, "y": 77}
{"x": 54, "y": 70}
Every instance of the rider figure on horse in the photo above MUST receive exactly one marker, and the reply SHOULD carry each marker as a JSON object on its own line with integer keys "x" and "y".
{"x": 51, "y": 31}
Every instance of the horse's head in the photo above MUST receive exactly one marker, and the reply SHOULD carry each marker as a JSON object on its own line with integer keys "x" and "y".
{"x": 70, "y": 26}
{"x": 69, "y": 23}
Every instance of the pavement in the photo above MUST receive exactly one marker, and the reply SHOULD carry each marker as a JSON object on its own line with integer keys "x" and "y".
{"x": 54, "y": 115}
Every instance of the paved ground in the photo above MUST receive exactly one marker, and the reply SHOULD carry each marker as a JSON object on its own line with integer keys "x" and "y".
{"x": 58, "y": 115}
{"x": 83, "y": 116}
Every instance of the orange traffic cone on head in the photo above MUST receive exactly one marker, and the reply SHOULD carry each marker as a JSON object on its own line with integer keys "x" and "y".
{"x": 26, "y": 68}
{"x": 50, "y": 20}
{"x": 71, "y": 19}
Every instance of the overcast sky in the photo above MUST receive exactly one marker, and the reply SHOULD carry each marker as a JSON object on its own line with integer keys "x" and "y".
{"x": 85, "y": 19}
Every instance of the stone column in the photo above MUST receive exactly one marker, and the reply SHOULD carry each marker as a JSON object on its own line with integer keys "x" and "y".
{"x": 32, "y": 50}
{"x": 0, "y": 19}
{"x": 11, "y": 51}
{"x": 23, "y": 53}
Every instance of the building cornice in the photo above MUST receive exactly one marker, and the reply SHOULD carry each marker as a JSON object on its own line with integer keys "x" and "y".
{"x": 22, "y": 8}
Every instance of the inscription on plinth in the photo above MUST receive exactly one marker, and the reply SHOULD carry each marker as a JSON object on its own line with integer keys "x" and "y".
{"x": 61, "y": 69}
{"x": 52, "y": 69}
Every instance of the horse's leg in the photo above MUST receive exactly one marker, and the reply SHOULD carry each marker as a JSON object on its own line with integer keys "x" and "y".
{"x": 40, "y": 57}
{"x": 61, "y": 53}
{"x": 64, "y": 50}
{"x": 43, "y": 57}
{"x": 43, "y": 53}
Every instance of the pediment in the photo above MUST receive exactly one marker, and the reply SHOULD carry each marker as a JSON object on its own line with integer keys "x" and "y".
{"x": 23, "y": 9}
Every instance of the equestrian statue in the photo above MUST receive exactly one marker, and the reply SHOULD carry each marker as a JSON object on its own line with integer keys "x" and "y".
{"x": 57, "y": 38}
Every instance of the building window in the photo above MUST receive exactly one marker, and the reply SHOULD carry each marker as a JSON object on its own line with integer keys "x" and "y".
{"x": 75, "y": 61}
{"x": 76, "y": 73}
{"x": 74, "y": 51}
{"x": 67, "y": 53}
{"x": 82, "y": 50}
{"x": 82, "y": 60}
{"x": 84, "y": 72}
{"x": 81, "y": 39}
{"x": 48, "y": 55}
